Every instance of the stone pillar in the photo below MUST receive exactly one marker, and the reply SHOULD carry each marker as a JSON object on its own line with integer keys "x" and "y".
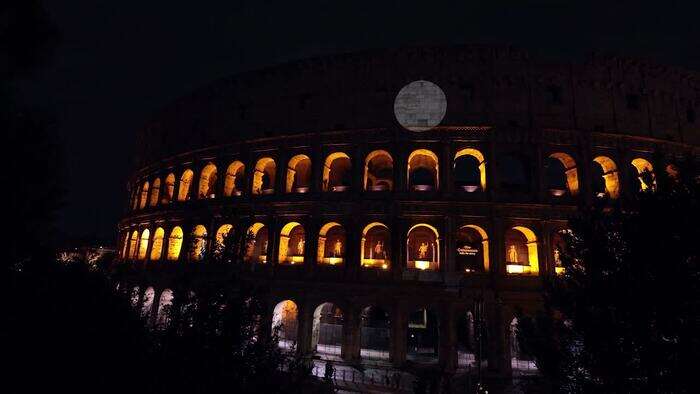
{"x": 448, "y": 339}
{"x": 398, "y": 246}
{"x": 353, "y": 254}
{"x": 446, "y": 169}
{"x": 399, "y": 326}
{"x": 498, "y": 341}
{"x": 311, "y": 230}
{"x": 448, "y": 238}
{"x": 350, "y": 347}
{"x": 305, "y": 326}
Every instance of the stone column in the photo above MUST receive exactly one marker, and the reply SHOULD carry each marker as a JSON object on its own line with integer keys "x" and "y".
{"x": 398, "y": 246}
{"x": 498, "y": 341}
{"x": 447, "y": 339}
{"x": 353, "y": 239}
{"x": 311, "y": 230}
{"x": 448, "y": 238}
{"x": 350, "y": 347}
{"x": 446, "y": 169}
{"x": 399, "y": 325}
{"x": 306, "y": 319}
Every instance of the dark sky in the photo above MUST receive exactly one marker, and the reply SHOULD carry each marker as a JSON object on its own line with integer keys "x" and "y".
{"x": 119, "y": 61}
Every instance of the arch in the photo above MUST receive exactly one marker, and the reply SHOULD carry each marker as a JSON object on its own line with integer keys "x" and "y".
{"x": 610, "y": 177}
{"x": 155, "y": 192}
{"x": 169, "y": 190}
{"x": 143, "y": 244}
{"x": 133, "y": 243}
{"x": 645, "y": 174}
{"x": 521, "y": 362}
{"x": 235, "y": 179}
{"x": 375, "y": 246}
{"x": 337, "y": 171}
{"x": 331, "y": 244}
{"x": 144, "y": 195}
{"x": 125, "y": 244}
{"x": 134, "y": 296}
{"x": 175, "y": 243}
{"x": 379, "y": 171}
{"x": 257, "y": 243}
{"x": 147, "y": 302}
{"x": 472, "y": 249}
{"x": 481, "y": 167}
{"x": 423, "y": 248}
{"x": 157, "y": 246}
{"x": 570, "y": 171}
{"x": 185, "y": 185}
{"x": 467, "y": 333}
{"x": 292, "y": 244}
{"x": 164, "y": 311}
{"x": 422, "y": 336}
{"x": 521, "y": 251}
{"x": 207, "y": 182}
{"x": 264, "y": 176}
{"x": 557, "y": 246}
{"x": 514, "y": 172}
{"x": 298, "y": 174}
{"x": 423, "y": 170}
{"x": 327, "y": 329}
{"x": 222, "y": 235}
{"x": 285, "y": 321}
{"x": 199, "y": 243}
{"x": 375, "y": 333}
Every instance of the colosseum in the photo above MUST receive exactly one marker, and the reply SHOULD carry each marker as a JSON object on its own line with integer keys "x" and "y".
{"x": 399, "y": 205}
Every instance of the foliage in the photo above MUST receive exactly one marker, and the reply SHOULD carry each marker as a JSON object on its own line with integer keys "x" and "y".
{"x": 623, "y": 317}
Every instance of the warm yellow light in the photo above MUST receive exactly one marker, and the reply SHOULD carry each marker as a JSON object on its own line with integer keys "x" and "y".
{"x": 385, "y": 266}
{"x": 422, "y": 264}
{"x": 515, "y": 269}
{"x": 559, "y": 270}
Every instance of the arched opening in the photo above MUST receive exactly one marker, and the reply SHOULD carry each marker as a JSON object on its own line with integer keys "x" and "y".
{"x": 521, "y": 362}
{"x": 143, "y": 244}
{"x": 331, "y": 244}
{"x": 645, "y": 178}
{"x": 169, "y": 190}
{"x": 606, "y": 181}
{"x": 147, "y": 303}
{"x": 379, "y": 171}
{"x": 207, "y": 182}
{"x": 165, "y": 305}
{"x": 133, "y": 243}
{"x": 469, "y": 170}
{"x": 292, "y": 244}
{"x": 337, "y": 172}
{"x": 199, "y": 243}
{"x": 561, "y": 175}
{"x": 557, "y": 248}
{"x": 175, "y": 243}
{"x": 264, "y": 176}
{"x": 155, "y": 192}
{"x": 521, "y": 251}
{"x": 235, "y": 179}
{"x": 423, "y": 248}
{"x": 467, "y": 339}
{"x": 422, "y": 336}
{"x": 157, "y": 247}
{"x": 327, "y": 329}
{"x": 514, "y": 173}
{"x": 125, "y": 244}
{"x": 422, "y": 170}
{"x": 256, "y": 243}
{"x": 144, "y": 195}
{"x": 374, "y": 333}
{"x": 298, "y": 174}
{"x": 221, "y": 237}
{"x": 375, "y": 246}
{"x": 185, "y": 184}
{"x": 285, "y": 321}
{"x": 472, "y": 249}
{"x": 135, "y": 198}
{"x": 134, "y": 296}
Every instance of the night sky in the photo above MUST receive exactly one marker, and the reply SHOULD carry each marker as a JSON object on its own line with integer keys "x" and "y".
{"x": 119, "y": 61}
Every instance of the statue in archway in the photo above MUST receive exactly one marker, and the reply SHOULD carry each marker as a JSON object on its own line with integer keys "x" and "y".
{"x": 512, "y": 254}
{"x": 337, "y": 248}
{"x": 423, "y": 251}
{"x": 300, "y": 247}
{"x": 379, "y": 249}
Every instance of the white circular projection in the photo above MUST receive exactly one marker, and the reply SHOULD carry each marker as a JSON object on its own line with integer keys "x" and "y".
{"x": 420, "y": 106}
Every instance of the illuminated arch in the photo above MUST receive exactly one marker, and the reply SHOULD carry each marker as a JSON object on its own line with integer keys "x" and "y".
{"x": 143, "y": 244}
{"x": 379, "y": 171}
{"x": 331, "y": 244}
{"x": 125, "y": 244}
{"x": 285, "y": 322}
{"x": 336, "y": 172}
{"x": 465, "y": 250}
{"x": 375, "y": 246}
{"x": 221, "y": 235}
{"x": 264, "y": 176}
{"x": 133, "y": 243}
{"x": 423, "y": 160}
{"x": 164, "y": 312}
{"x": 169, "y": 190}
{"x": 257, "y": 243}
{"x": 423, "y": 247}
{"x": 199, "y": 243}
{"x": 157, "y": 247}
{"x": 175, "y": 243}
{"x": 610, "y": 176}
{"x": 144, "y": 195}
{"x": 515, "y": 264}
{"x": 375, "y": 333}
{"x": 147, "y": 302}
{"x": 324, "y": 338}
{"x": 235, "y": 179}
{"x": 155, "y": 192}
{"x": 479, "y": 157}
{"x": 298, "y": 174}
{"x": 292, "y": 243}
{"x": 569, "y": 170}
{"x": 207, "y": 182}
{"x": 185, "y": 185}
{"x": 643, "y": 168}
